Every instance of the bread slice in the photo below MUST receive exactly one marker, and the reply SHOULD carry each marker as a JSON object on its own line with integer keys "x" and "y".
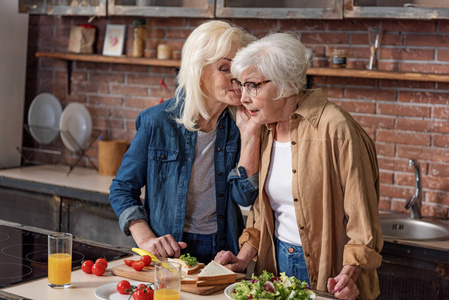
{"x": 214, "y": 274}
{"x": 186, "y": 269}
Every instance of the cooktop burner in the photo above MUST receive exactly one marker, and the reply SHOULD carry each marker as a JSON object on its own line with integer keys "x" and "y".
{"x": 23, "y": 255}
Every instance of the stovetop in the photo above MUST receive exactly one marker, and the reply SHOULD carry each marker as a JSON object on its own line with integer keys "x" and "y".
{"x": 23, "y": 255}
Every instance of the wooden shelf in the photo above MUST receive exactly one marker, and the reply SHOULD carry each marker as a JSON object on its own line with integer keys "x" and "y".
{"x": 332, "y": 72}
{"x": 98, "y": 58}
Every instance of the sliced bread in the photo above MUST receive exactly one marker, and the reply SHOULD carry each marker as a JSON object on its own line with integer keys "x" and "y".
{"x": 186, "y": 269}
{"x": 214, "y": 274}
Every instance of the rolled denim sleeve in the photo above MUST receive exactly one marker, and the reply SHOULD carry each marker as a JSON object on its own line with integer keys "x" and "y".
{"x": 243, "y": 190}
{"x": 130, "y": 214}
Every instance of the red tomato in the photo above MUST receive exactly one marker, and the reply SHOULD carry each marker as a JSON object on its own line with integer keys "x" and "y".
{"x": 98, "y": 269}
{"x": 143, "y": 293}
{"x": 124, "y": 287}
{"x": 146, "y": 259}
{"x": 102, "y": 261}
{"x": 87, "y": 266}
{"x": 138, "y": 265}
{"x": 129, "y": 262}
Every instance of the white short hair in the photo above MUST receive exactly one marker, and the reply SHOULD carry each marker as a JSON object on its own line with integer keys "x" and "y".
{"x": 281, "y": 57}
{"x": 208, "y": 43}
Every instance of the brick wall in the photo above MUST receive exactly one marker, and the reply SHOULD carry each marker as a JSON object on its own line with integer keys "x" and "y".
{"x": 407, "y": 119}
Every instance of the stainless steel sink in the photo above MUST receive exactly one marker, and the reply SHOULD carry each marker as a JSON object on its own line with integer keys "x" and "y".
{"x": 414, "y": 229}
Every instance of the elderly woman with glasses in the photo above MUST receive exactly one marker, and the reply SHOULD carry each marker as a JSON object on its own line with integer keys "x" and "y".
{"x": 183, "y": 152}
{"x": 316, "y": 216}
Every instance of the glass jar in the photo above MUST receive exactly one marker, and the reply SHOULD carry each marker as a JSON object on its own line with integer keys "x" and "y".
{"x": 138, "y": 37}
{"x": 338, "y": 59}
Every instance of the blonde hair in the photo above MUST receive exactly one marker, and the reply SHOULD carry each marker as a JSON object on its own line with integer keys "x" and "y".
{"x": 281, "y": 57}
{"x": 208, "y": 43}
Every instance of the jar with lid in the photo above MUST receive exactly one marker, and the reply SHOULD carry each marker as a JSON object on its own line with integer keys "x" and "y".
{"x": 338, "y": 59}
{"x": 138, "y": 37}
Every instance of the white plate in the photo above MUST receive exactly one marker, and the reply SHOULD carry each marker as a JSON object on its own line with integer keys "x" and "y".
{"x": 109, "y": 291}
{"x": 228, "y": 290}
{"x": 43, "y": 118}
{"x": 76, "y": 127}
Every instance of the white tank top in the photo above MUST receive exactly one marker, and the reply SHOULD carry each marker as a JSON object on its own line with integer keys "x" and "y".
{"x": 279, "y": 190}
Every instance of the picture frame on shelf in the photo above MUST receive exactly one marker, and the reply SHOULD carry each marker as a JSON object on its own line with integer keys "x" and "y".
{"x": 114, "y": 40}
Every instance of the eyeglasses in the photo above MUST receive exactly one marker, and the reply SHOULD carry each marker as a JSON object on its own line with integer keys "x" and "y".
{"x": 252, "y": 88}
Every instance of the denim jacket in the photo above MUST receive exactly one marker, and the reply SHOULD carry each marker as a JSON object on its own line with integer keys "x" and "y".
{"x": 161, "y": 158}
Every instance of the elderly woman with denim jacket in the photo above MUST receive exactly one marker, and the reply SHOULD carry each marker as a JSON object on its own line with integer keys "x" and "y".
{"x": 196, "y": 163}
{"x": 316, "y": 216}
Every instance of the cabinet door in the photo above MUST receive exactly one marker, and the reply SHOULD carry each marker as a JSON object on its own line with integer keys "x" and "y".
{"x": 397, "y": 9}
{"x": 64, "y": 7}
{"x": 162, "y": 8}
{"x": 282, "y": 9}
{"x": 30, "y": 209}
{"x": 93, "y": 221}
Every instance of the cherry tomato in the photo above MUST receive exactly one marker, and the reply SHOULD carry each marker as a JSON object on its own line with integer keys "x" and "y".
{"x": 138, "y": 265}
{"x": 146, "y": 259}
{"x": 102, "y": 261}
{"x": 124, "y": 287}
{"x": 98, "y": 269}
{"x": 143, "y": 293}
{"x": 87, "y": 266}
{"x": 129, "y": 262}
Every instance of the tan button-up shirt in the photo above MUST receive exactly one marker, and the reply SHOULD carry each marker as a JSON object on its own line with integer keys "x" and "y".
{"x": 335, "y": 191}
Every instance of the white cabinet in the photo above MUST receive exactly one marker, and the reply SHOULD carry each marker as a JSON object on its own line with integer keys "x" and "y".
{"x": 162, "y": 8}
{"x": 64, "y": 7}
{"x": 397, "y": 9}
{"x": 281, "y": 9}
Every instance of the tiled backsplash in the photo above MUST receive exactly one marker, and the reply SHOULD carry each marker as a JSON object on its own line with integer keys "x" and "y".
{"x": 407, "y": 119}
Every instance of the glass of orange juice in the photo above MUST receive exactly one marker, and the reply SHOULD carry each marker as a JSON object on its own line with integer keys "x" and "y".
{"x": 167, "y": 281}
{"x": 60, "y": 260}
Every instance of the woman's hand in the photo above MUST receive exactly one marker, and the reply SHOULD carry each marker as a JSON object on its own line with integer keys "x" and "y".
{"x": 244, "y": 123}
{"x": 230, "y": 261}
{"x": 164, "y": 246}
{"x": 343, "y": 285}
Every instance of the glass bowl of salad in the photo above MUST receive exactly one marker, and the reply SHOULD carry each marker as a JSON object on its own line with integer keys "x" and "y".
{"x": 268, "y": 286}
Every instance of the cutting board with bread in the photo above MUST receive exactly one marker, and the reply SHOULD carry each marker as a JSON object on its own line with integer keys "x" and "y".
{"x": 198, "y": 279}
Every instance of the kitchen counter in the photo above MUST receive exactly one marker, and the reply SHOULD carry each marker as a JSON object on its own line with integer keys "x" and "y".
{"x": 83, "y": 285}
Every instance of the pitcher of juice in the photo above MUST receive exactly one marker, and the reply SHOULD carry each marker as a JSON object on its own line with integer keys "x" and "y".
{"x": 59, "y": 260}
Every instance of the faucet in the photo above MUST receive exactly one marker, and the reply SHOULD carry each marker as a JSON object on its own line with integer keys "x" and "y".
{"x": 414, "y": 203}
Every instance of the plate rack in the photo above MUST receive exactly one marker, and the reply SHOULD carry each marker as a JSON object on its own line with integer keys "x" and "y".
{"x": 53, "y": 148}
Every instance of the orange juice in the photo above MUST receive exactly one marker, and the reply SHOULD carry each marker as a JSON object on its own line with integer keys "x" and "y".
{"x": 59, "y": 268}
{"x": 167, "y": 294}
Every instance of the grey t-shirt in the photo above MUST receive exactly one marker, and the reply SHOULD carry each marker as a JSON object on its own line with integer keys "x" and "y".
{"x": 201, "y": 200}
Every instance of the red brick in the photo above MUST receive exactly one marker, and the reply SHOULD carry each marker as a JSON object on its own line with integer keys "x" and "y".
{"x": 91, "y": 66}
{"x": 400, "y": 137}
{"x": 393, "y": 164}
{"x": 443, "y": 55}
{"x": 386, "y": 177}
{"x": 126, "y": 112}
{"x": 372, "y": 94}
{"x": 375, "y": 121}
{"x": 423, "y": 153}
{"x": 406, "y": 84}
{"x": 358, "y": 107}
{"x": 127, "y": 90}
{"x": 139, "y": 102}
{"x": 90, "y": 87}
{"x": 441, "y": 197}
{"x": 421, "y": 125}
{"x": 434, "y": 211}
{"x": 129, "y": 68}
{"x": 177, "y": 33}
{"x": 441, "y": 140}
{"x": 409, "y": 25}
{"x": 98, "y": 111}
{"x": 384, "y": 149}
{"x": 105, "y": 100}
{"x": 396, "y": 191}
{"x": 403, "y": 110}
{"x": 325, "y": 38}
{"x": 398, "y": 205}
{"x": 435, "y": 182}
{"x": 353, "y": 81}
{"x": 424, "y": 40}
{"x": 407, "y": 54}
{"x": 333, "y": 92}
{"x": 384, "y": 204}
{"x": 301, "y": 25}
{"x": 166, "y": 22}
{"x": 440, "y": 112}
{"x": 143, "y": 79}
{"x": 107, "y": 77}
{"x": 424, "y": 67}
{"x": 392, "y": 39}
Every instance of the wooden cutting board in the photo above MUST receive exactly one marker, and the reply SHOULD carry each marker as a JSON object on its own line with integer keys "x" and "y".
{"x": 188, "y": 283}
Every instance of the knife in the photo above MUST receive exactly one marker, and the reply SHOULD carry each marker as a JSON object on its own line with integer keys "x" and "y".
{"x": 142, "y": 252}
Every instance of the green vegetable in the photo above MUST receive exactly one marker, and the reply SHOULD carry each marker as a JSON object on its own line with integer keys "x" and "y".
{"x": 189, "y": 260}
{"x": 268, "y": 286}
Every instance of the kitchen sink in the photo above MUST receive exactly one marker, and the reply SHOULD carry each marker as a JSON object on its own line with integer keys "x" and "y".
{"x": 414, "y": 229}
